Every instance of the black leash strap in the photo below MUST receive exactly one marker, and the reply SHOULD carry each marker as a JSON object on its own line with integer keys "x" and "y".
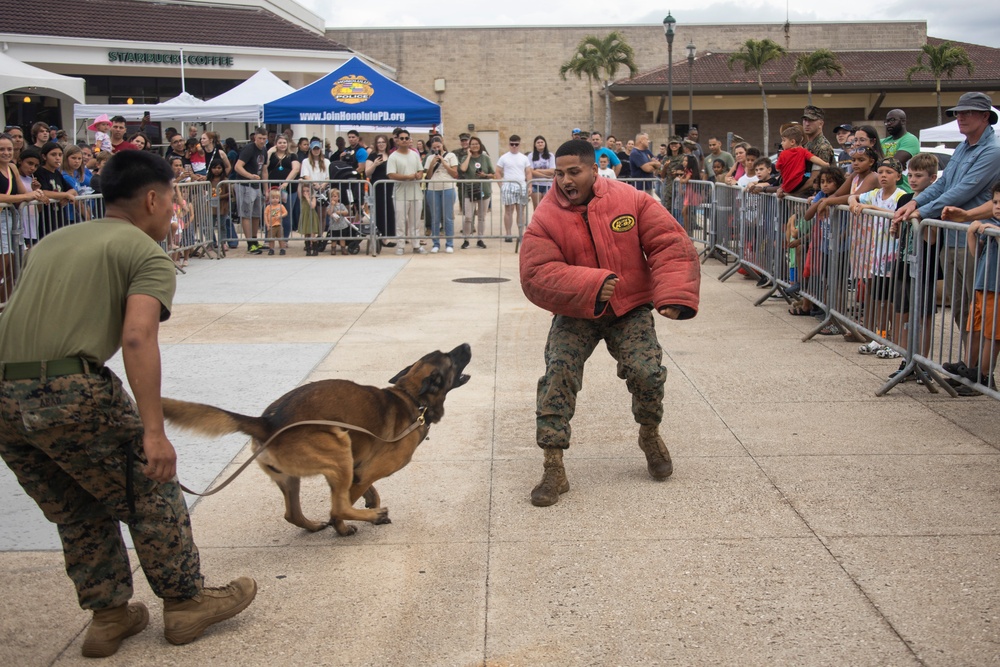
{"x": 420, "y": 421}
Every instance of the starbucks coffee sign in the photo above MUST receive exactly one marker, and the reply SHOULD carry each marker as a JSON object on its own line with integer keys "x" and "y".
{"x": 168, "y": 58}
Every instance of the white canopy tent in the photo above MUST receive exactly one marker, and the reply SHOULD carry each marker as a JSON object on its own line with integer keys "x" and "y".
{"x": 183, "y": 107}
{"x": 15, "y": 75}
{"x": 242, "y": 104}
{"x": 947, "y": 132}
{"x": 245, "y": 102}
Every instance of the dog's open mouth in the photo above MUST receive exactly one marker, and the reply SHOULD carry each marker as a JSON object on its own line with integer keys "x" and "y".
{"x": 460, "y": 380}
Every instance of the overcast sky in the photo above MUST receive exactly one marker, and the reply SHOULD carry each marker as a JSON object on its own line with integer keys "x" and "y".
{"x": 976, "y": 21}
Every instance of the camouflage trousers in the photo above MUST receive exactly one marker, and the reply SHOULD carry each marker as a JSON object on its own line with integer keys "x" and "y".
{"x": 631, "y": 340}
{"x": 66, "y": 439}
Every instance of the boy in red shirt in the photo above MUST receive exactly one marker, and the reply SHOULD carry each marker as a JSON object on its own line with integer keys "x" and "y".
{"x": 792, "y": 160}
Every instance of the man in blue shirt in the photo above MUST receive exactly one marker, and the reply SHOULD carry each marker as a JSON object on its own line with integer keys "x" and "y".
{"x": 643, "y": 165}
{"x": 966, "y": 183}
{"x": 599, "y": 149}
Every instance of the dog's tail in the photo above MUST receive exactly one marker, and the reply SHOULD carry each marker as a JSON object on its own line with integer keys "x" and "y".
{"x": 209, "y": 420}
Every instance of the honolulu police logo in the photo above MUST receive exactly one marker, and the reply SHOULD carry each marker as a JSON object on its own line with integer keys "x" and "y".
{"x": 623, "y": 223}
{"x": 352, "y": 89}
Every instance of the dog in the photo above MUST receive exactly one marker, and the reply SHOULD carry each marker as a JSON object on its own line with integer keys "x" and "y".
{"x": 351, "y": 460}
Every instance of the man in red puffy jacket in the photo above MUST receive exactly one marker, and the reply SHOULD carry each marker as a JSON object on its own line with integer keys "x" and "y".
{"x": 601, "y": 255}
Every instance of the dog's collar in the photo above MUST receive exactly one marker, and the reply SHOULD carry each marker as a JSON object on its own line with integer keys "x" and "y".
{"x": 421, "y": 409}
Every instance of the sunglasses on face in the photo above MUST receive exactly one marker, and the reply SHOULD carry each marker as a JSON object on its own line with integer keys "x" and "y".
{"x": 514, "y": 143}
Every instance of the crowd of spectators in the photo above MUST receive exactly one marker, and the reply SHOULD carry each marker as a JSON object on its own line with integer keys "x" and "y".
{"x": 275, "y": 186}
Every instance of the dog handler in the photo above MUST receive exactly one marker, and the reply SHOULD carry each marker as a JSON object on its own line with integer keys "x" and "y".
{"x": 600, "y": 255}
{"x": 78, "y": 444}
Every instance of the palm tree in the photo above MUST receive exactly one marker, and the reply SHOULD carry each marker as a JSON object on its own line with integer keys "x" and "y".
{"x": 583, "y": 64}
{"x": 942, "y": 60}
{"x": 808, "y": 65}
{"x": 601, "y": 59}
{"x": 753, "y": 55}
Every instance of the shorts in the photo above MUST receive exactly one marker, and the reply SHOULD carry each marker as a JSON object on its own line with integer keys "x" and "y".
{"x": 983, "y": 317}
{"x": 512, "y": 194}
{"x": 248, "y": 200}
{"x": 540, "y": 188}
{"x": 903, "y": 290}
{"x": 7, "y": 228}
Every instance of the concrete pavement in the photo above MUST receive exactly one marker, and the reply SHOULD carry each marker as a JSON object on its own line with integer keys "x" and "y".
{"x": 807, "y": 522}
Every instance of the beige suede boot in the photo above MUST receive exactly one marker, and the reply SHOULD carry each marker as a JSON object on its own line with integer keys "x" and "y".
{"x": 554, "y": 480}
{"x": 111, "y": 626}
{"x": 657, "y": 457}
{"x": 185, "y": 620}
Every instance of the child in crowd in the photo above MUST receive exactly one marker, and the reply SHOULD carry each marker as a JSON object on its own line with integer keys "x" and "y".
{"x": 923, "y": 169}
{"x": 100, "y": 127}
{"x": 337, "y": 223}
{"x": 983, "y": 327}
{"x": 792, "y": 161}
{"x": 719, "y": 171}
{"x": 181, "y": 230}
{"x": 874, "y": 251}
{"x": 767, "y": 180}
{"x": 750, "y": 177}
{"x": 605, "y": 168}
{"x": 812, "y": 248}
{"x": 273, "y": 213}
{"x": 220, "y": 203}
{"x": 27, "y": 163}
{"x": 99, "y": 161}
{"x": 49, "y": 174}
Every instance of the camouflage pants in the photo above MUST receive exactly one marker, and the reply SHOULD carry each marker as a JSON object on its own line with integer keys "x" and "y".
{"x": 66, "y": 438}
{"x": 631, "y": 340}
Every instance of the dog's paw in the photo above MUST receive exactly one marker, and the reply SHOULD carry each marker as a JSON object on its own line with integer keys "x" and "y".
{"x": 342, "y": 528}
{"x": 383, "y": 516}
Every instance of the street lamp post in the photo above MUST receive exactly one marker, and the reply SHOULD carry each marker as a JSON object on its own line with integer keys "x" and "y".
{"x": 668, "y": 31}
{"x": 691, "y": 51}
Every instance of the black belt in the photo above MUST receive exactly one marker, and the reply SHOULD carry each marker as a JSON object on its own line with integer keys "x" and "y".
{"x": 32, "y": 370}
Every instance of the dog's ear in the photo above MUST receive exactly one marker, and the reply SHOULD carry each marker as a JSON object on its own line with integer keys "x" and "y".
{"x": 400, "y": 374}
{"x": 433, "y": 382}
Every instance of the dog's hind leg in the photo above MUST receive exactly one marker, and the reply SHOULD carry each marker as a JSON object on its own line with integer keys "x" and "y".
{"x": 293, "y": 506}
{"x": 372, "y": 499}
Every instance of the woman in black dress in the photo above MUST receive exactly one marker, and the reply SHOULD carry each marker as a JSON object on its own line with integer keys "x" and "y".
{"x": 381, "y": 195}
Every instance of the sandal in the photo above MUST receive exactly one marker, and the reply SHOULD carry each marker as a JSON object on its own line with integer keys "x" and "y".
{"x": 799, "y": 311}
{"x": 887, "y": 353}
{"x": 869, "y": 348}
{"x": 831, "y": 330}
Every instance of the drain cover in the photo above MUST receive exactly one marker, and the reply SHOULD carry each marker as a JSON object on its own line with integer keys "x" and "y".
{"x": 480, "y": 281}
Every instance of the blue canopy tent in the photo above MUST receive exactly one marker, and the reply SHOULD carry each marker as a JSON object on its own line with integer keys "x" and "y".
{"x": 355, "y": 95}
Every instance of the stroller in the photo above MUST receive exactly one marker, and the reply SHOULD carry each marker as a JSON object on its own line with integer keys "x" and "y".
{"x": 355, "y": 226}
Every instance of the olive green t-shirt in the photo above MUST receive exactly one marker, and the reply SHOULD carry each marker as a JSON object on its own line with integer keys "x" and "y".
{"x": 70, "y": 299}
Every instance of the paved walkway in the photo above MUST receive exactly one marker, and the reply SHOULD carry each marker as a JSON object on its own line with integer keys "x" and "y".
{"x": 807, "y": 522}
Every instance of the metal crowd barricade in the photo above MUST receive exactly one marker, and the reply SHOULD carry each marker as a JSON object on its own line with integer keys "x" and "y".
{"x": 314, "y": 216}
{"x": 724, "y": 231}
{"x": 477, "y": 215}
{"x": 194, "y": 228}
{"x": 860, "y": 289}
{"x": 692, "y": 204}
{"x": 952, "y": 313}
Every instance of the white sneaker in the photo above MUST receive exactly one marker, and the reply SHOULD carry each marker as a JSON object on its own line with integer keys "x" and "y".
{"x": 399, "y": 250}
{"x": 449, "y": 249}
{"x": 435, "y": 250}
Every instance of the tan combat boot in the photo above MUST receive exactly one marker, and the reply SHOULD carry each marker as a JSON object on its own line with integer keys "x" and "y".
{"x": 554, "y": 480}
{"x": 111, "y": 626}
{"x": 657, "y": 457}
{"x": 185, "y": 620}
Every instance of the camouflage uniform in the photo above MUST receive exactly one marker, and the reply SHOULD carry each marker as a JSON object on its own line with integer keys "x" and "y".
{"x": 69, "y": 441}
{"x": 631, "y": 340}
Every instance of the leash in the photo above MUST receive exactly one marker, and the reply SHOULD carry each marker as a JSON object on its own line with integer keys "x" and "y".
{"x": 420, "y": 421}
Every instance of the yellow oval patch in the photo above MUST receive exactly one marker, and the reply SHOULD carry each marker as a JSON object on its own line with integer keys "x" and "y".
{"x": 622, "y": 223}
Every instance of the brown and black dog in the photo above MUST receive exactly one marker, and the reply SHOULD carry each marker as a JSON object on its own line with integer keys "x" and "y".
{"x": 350, "y": 460}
